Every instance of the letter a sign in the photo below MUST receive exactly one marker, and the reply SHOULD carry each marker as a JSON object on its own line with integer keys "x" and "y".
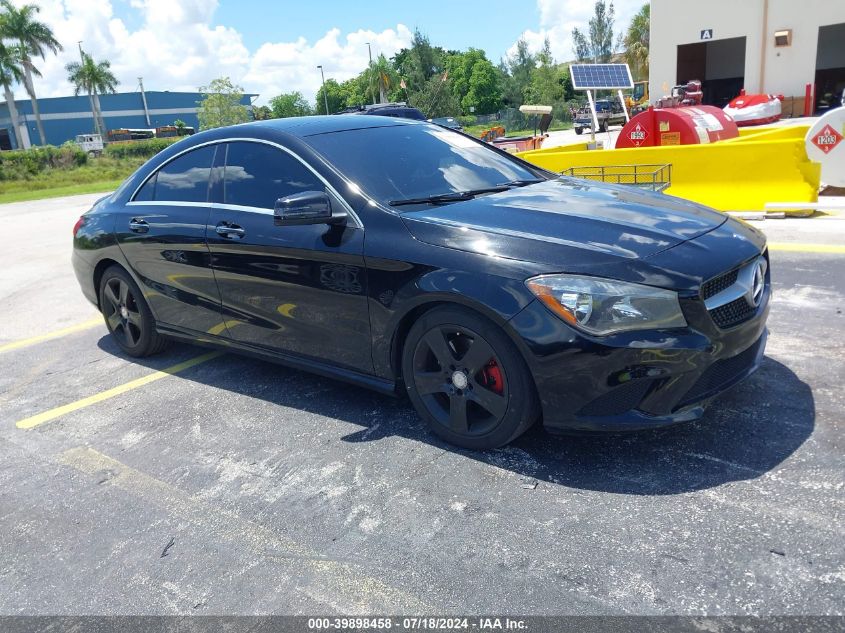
{"x": 707, "y": 34}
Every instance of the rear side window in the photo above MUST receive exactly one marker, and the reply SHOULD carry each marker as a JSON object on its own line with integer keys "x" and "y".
{"x": 258, "y": 174}
{"x": 184, "y": 179}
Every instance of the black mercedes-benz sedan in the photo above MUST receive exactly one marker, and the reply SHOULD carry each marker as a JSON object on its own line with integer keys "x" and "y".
{"x": 403, "y": 256}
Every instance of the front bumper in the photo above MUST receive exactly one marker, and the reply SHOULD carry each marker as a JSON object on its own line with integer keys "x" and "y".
{"x": 636, "y": 380}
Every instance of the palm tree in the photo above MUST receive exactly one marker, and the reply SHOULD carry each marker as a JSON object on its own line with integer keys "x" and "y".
{"x": 95, "y": 78}
{"x": 11, "y": 72}
{"x": 637, "y": 41}
{"x": 380, "y": 73}
{"x": 35, "y": 39}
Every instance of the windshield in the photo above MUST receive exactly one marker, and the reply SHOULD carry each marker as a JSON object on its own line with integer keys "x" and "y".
{"x": 416, "y": 161}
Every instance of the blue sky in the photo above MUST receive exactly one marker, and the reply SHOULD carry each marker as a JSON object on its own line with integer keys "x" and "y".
{"x": 273, "y": 47}
{"x": 492, "y": 26}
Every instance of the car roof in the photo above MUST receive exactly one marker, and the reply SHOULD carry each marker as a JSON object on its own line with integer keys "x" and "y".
{"x": 310, "y": 125}
{"x": 280, "y": 130}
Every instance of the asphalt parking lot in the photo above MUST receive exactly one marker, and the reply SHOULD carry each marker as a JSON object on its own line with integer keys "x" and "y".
{"x": 233, "y": 486}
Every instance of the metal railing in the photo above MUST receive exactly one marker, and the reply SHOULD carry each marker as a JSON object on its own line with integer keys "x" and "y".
{"x": 653, "y": 177}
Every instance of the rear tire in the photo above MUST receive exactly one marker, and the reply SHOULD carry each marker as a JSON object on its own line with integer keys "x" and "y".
{"x": 467, "y": 380}
{"x": 603, "y": 126}
{"x": 579, "y": 131}
{"x": 127, "y": 315}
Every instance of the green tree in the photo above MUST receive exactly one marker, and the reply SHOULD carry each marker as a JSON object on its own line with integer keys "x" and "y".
{"x": 581, "y": 47}
{"x": 290, "y": 104}
{"x": 520, "y": 68}
{"x": 95, "y": 78}
{"x": 637, "y": 42}
{"x": 474, "y": 82}
{"x": 262, "y": 113}
{"x": 355, "y": 91}
{"x": 421, "y": 67}
{"x": 549, "y": 81}
{"x": 11, "y": 72}
{"x": 435, "y": 98}
{"x": 334, "y": 93}
{"x": 598, "y": 45}
{"x": 381, "y": 76}
{"x": 35, "y": 39}
{"x": 221, "y": 105}
{"x": 421, "y": 62}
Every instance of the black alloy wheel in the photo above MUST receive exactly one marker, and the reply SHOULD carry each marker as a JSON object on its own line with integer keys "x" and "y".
{"x": 127, "y": 315}
{"x": 467, "y": 380}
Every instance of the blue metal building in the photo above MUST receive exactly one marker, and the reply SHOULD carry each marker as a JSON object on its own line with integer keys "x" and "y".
{"x": 65, "y": 117}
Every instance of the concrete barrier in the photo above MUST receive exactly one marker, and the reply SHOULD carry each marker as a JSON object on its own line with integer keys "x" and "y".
{"x": 739, "y": 175}
{"x": 769, "y": 133}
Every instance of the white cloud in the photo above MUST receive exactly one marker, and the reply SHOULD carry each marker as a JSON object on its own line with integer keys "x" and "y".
{"x": 559, "y": 17}
{"x": 177, "y": 48}
{"x": 286, "y": 66}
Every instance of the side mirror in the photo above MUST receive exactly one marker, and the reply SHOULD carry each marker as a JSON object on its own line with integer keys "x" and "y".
{"x": 306, "y": 207}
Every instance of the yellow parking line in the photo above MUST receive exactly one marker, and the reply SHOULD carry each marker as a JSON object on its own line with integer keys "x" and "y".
{"x": 795, "y": 247}
{"x": 58, "y": 412}
{"x": 51, "y": 335}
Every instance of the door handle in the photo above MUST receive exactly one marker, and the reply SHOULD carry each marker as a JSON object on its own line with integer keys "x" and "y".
{"x": 137, "y": 225}
{"x": 230, "y": 230}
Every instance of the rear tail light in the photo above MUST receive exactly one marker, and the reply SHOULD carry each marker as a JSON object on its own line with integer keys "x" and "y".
{"x": 79, "y": 224}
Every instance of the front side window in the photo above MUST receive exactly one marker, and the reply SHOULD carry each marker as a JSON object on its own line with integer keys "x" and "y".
{"x": 184, "y": 179}
{"x": 258, "y": 174}
{"x": 410, "y": 161}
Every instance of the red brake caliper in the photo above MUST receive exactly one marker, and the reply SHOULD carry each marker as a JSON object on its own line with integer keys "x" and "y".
{"x": 493, "y": 377}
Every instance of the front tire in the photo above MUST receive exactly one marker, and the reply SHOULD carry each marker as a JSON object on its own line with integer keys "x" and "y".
{"x": 467, "y": 380}
{"x": 127, "y": 314}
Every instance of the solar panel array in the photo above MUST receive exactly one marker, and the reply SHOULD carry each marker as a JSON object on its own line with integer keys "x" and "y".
{"x": 601, "y": 76}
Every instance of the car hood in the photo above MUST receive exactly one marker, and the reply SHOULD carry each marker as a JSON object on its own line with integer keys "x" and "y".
{"x": 564, "y": 221}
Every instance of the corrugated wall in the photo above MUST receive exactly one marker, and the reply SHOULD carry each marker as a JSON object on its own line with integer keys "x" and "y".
{"x": 65, "y": 117}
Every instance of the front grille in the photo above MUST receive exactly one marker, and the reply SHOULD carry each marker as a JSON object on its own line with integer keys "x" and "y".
{"x": 720, "y": 374}
{"x": 714, "y": 286}
{"x": 733, "y": 313}
{"x": 618, "y": 400}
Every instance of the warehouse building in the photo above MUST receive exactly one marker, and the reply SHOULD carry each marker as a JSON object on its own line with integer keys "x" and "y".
{"x": 764, "y": 46}
{"x": 65, "y": 117}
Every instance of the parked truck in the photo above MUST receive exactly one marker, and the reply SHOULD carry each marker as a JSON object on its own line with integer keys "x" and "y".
{"x": 91, "y": 144}
{"x": 608, "y": 112}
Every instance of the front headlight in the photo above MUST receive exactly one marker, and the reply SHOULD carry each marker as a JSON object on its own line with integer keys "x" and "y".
{"x": 604, "y": 306}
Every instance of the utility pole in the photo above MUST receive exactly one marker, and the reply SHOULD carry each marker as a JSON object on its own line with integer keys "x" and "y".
{"x": 144, "y": 100}
{"x": 325, "y": 95}
{"x": 372, "y": 92}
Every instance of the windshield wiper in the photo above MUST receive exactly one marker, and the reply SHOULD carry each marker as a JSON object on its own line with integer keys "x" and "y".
{"x": 523, "y": 182}
{"x": 446, "y": 198}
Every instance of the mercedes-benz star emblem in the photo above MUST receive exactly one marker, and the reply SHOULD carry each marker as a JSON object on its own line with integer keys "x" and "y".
{"x": 758, "y": 284}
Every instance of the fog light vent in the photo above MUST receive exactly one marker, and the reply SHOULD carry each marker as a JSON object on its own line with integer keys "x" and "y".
{"x": 618, "y": 400}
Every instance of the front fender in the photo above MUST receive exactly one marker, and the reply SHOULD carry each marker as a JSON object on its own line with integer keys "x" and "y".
{"x": 394, "y": 309}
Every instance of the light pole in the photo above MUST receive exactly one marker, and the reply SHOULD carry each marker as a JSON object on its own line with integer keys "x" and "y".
{"x": 325, "y": 96}
{"x": 370, "y": 53}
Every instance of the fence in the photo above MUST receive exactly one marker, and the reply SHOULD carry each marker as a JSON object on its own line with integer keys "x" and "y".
{"x": 513, "y": 119}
